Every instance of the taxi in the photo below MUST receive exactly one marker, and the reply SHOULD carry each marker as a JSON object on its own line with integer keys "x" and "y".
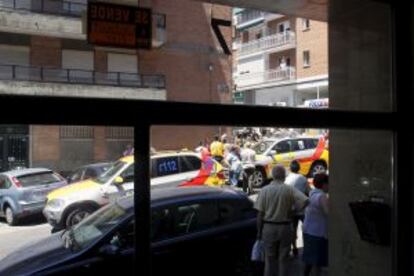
{"x": 310, "y": 151}
{"x": 69, "y": 205}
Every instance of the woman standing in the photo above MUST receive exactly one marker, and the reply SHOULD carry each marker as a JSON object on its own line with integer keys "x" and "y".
{"x": 315, "y": 227}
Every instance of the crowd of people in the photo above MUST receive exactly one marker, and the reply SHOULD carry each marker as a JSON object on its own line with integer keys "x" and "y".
{"x": 281, "y": 205}
{"x": 238, "y": 157}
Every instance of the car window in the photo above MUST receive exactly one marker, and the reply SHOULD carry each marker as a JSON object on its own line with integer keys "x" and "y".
{"x": 167, "y": 166}
{"x": 231, "y": 211}
{"x": 76, "y": 176}
{"x": 311, "y": 143}
{"x": 123, "y": 237}
{"x": 189, "y": 163}
{"x": 195, "y": 217}
{"x": 4, "y": 183}
{"x": 298, "y": 145}
{"x": 35, "y": 179}
{"x": 261, "y": 147}
{"x": 282, "y": 147}
{"x": 128, "y": 174}
{"x": 161, "y": 224}
{"x": 91, "y": 173}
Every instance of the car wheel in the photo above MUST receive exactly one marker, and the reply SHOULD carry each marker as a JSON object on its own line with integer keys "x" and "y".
{"x": 10, "y": 217}
{"x": 258, "y": 178}
{"x": 318, "y": 167}
{"x": 77, "y": 215}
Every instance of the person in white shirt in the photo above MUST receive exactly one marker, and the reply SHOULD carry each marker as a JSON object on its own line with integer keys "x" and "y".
{"x": 298, "y": 181}
{"x": 248, "y": 158}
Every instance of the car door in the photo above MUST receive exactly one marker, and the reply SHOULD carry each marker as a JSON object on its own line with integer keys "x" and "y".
{"x": 190, "y": 241}
{"x": 166, "y": 172}
{"x": 283, "y": 154}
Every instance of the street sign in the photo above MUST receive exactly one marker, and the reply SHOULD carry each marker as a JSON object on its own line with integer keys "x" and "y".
{"x": 119, "y": 26}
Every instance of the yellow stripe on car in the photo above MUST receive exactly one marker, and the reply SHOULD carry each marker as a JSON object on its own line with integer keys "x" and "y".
{"x": 73, "y": 188}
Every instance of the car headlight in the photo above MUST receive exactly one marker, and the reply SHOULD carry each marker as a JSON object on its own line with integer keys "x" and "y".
{"x": 55, "y": 203}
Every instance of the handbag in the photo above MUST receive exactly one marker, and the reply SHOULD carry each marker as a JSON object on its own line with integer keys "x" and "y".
{"x": 258, "y": 252}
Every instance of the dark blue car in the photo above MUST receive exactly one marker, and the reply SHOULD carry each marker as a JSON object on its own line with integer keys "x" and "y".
{"x": 194, "y": 231}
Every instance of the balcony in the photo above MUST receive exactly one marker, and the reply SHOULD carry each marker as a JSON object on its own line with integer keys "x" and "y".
{"x": 252, "y": 80}
{"x": 275, "y": 42}
{"x": 248, "y": 17}
{"x": 15, "y": 79}
{"x": 64, "y": 8}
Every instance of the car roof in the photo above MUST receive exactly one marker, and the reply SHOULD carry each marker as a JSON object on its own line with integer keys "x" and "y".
{"x": 130, "y": 158}
{"x": 274, "y": 139}
{"x": 96, "y": 165}
{"x": 16, "y": 173}
{"x": 159, "y": 196}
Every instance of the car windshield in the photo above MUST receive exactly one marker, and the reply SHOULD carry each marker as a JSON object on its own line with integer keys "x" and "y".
{"x": 261, "y": 147}
{"x": 35, "y": 179}
{"x": 94, "y": 227}
{"x": 103, "y": 178}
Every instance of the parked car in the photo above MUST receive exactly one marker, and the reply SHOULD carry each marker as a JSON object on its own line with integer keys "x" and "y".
{"x": 67, "y": 206}
{"x": 88, "y": 171}
{"x": 208, "y": 229}
{"x": 23, "y": 192}
{"x": 310, "y": 151}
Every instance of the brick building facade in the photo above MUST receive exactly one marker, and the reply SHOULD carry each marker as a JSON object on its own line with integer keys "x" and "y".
{"x": 50, "y": 56}
{"x": 280, "y": 60}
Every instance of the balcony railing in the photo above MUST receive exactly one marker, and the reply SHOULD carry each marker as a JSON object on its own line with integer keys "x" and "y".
{"x": 75, "y": 76}
{"x": 276, "y": 75}
{"x": 249, "y": 15}
{"x": 267, "y": 42}
{"x": 66, "y": 8}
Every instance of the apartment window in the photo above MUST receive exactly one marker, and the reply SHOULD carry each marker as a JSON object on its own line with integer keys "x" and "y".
{"x": 122, "y": 63}
{"x": 76, "y": 132}
{"x": 119, "y": 133}
{"x": 306, "y": 59}
{"x": 305, "y": 24}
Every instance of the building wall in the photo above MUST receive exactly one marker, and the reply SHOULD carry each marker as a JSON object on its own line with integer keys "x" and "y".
{"x": 315, "y": 40}
{"x": 185, "y": 59}
{"x": 195, "y": 68}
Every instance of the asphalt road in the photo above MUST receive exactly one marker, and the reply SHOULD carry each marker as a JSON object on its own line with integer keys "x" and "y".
{"x": 14, "y": 237}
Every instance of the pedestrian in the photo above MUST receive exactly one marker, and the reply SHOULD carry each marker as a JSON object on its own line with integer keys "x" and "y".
{"x": 248, "y": 158}
{"x": 298, "y": 181}
{"x": 217, "y": 149}
{"x": 315, "y": 227}
{"x": 274, "y": 221}
{"x": 128, "y": 151}
{"x": 234, "y": 164}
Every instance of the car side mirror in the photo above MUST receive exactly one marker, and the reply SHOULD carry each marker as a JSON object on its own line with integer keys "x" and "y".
{"x": 109, "y": 250}
{"x": 272, "y": 152}
{"x": 118, "y": 180}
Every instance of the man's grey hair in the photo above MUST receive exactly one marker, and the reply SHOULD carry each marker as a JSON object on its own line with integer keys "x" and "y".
{"x": 279, "y": 173}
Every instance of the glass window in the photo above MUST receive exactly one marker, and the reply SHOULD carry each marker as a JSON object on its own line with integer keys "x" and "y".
{"x": 189, "y": 163}
{"x": 195, "y": 217}
{"x": 128, "y": 174}
{"x": 235, "y": 210}
{"x": 91, "y": 173}
{"x": 161, "y": 224}
{"x": 77, "y": 175}
{"x": 167, "y": 166}
{"x": 4, "y": 184}
{"x": 282, "y": 147}
{"x": 311, "y": 143}
{"x": 306, "y": 58}
{"x": 38, "y": 179}
{"x": 305, "y": 24}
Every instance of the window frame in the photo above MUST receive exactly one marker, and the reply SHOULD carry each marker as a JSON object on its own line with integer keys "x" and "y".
{"x": 60, "y": 111}
{"x": 306, "y": 58}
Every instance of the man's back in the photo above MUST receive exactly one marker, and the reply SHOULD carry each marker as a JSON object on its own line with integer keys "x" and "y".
{"x": 277, "y": 200}
{"x": 217, "y": 148}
